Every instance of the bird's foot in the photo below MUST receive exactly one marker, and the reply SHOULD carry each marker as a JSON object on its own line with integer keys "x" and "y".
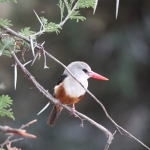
{"x": 73, "y": 110}
{"x": 58, "y": 103}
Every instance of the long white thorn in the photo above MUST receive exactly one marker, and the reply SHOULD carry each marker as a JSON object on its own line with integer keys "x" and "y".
{"x": 117, "y": 8}
{"x": 32, "y": 48}
{"x": 15, "y": 75}
{"x": 34, "y": 58}
{"x": 44, "y": 108}
{"x": 95, "y": 6}
{"x": 45, "y": 66}
{"x": 43, "y": 43}
{"x": 27, "y": 63}
{"x": 42, "y": 26}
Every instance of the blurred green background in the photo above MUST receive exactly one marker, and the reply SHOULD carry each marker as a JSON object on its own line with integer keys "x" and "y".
{"x": 117, "y": 49}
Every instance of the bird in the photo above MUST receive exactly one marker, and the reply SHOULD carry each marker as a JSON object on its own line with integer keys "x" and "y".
{"x": 69, "y": 91}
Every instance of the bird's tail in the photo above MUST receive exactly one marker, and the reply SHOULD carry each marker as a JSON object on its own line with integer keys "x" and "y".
{"x": 54, "y": 115}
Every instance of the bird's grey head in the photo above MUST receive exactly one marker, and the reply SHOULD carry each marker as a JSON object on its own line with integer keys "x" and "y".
{"x": 79, "y": 69}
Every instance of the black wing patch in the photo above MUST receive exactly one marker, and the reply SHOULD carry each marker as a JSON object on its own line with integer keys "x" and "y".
{"x": 61, "y": 79}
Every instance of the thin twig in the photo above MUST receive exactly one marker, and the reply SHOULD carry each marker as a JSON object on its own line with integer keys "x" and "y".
{"x": 34, "y": 59}
{"x": 27, "y": 63}
{"x": 28, "y": 124}
{"x": 12, "y": 32}
{"x": 19, "y": 131}
{"x": 42, "y": 26}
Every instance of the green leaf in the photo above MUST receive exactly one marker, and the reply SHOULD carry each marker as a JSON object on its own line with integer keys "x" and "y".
{"x": 76, "y": 15}
{"x": 73, "y": 13}
{"x": 62, "y": 7}
{"x": 44, "y": 21}
{"x": 5, "y": 110}
{"x": 4, "y": 1}
{"x": 7, "y": 53}
{"x": 15, "y": 1}
{"x": 52, "y": 27}
{"x": 5, "y": 22}
{"x": 26, "y": 32}
{"x": 86, "y": 3}
{"x": 7, "y": 44}
{"x": 68, "y": 5}
{"x": 72, "y": 1}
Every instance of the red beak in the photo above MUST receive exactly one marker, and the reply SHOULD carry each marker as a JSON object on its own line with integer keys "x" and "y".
{"x": 97, "y": 76}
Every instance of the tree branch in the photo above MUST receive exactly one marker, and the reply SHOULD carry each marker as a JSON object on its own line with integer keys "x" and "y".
{"x": 55, "y": 101}
{"x": 104, "y": 109}
{"x": 7, "y": 129}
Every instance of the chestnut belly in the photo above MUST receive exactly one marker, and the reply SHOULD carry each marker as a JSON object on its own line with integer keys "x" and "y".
{"x": 61, "y": 95}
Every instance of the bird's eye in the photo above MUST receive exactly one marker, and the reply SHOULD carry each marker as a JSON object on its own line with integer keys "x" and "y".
{"x": 85, "y": 70}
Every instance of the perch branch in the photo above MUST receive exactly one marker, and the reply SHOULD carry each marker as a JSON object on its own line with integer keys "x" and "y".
{"x": 53, "y": 100}
{"x": 104, "y": 109}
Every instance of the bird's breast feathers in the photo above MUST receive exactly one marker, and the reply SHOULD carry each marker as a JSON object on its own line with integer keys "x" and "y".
{"x": 73, "y": 88}
{"x": 70, "y": 89}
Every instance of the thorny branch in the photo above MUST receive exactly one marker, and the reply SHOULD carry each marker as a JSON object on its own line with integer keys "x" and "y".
{"x": 13, "y": 131}
{"x": 53, "y": 100}
{"x": 46, "y": 93}
{"x": 104, "y": 109}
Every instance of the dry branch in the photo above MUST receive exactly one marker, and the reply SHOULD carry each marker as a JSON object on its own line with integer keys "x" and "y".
{"x": 20, "y": 132}
{"x": 15, "y": 131}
